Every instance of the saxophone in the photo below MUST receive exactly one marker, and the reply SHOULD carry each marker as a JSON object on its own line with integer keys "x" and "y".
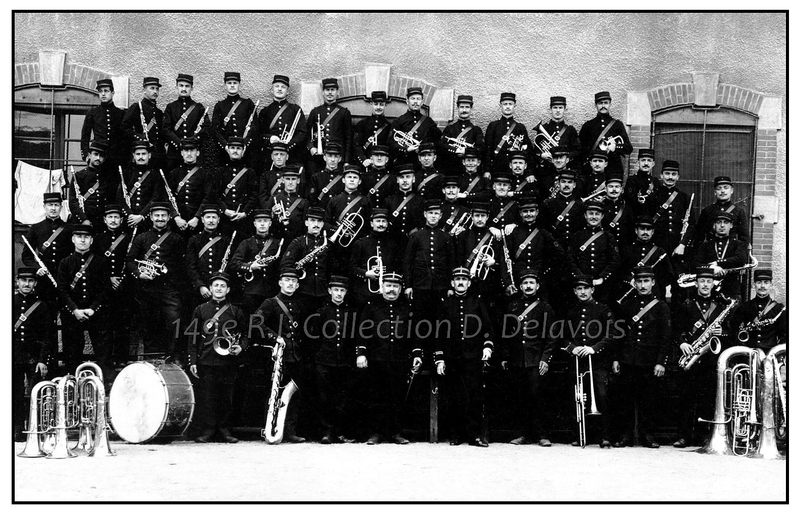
{"x": 279, "y": 398}
{"x": 305, "y": 260}
{"x": 706, "y": 341}
{"x": 746, "y": 328}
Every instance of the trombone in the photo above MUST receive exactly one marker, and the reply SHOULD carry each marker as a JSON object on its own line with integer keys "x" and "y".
{"x": 580, "y": 399}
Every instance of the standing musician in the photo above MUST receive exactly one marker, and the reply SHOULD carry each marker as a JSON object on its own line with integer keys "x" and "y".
{"x": 458, "y": 137}
{"x": 183, "y": 118}
{"x": 236, "y": 190}
{"x": 642, "y": 358}
{"x": 472, "y": 185}
{"x": 697, "y": 385}
{"x": 31, "y": 344}
{"x": 723, "y": 192}
{"x": 350, "y": 203}
{"x": 412, "y": 128}
{"x": 592, "y": 251}
{"x": 593, "y": 184}
{"x": 256, "y": 260}
{"x": 642, "y": 184}
{"x": 643, "y": 252}
{"x": 377, "y": 247}
{"x": 141, "y": 185}
{"x": 310, "y": 253}
{"x": 288, "y": 207}
{"x": 722, "y": 253}
{"x": 329, "y": 122}
{"x": 83, "y": 285}
{"x": 371, "y": 131}
{"x": 50, "y": 240}
{"x": 589, "y": 330}
{"x": 478, "y": 251}
{"x": 282, "y": 122}
{"x": 232, "y": 116}
{"x": 204, "y": 254}
{"x": 562, "y": 215}
{"x": 280, "y": 317}
{"x": 104, "y": 123}
{"x": 270, "y": 181}
{"x": 607, "y": 134}
{"x": 144, "y": 121}
{"x": 761, "y": 322}
{"x": 504, "y": 135}
{"x": 156, "y": 261}
{"x": 548, "y": 172}
{"x": 382, "y": 357}
{"x": 377, "y": 181}
{"x": 429, "y": 181}
{"x": 405, "y": 206}
{"x": 502, "y": 206}
{"x": 461, "y": 357}
{"x": 327, "y": 182}
{"x": 214, "y": 358}
{"x": 333, "y": 345}
{"x": 88, "y": 208}
{"x": 529, "y": 351}
{"x": 619, "y": 216}
{"x": 669, "y": 206}
{"x": 523, "y": 181}
{"x": 192, "y": 186}
{"x": 454, "y": 210}
{"x": 563, "y": 134}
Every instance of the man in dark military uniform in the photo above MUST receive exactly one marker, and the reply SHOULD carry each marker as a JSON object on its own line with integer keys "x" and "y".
{"x": 458, "y": 137}
{"x": 417, "y": 127}
{"x": 428, "y": 182}
{"x": 697, "y": 384}
{"x": 563, "y": 214}
{"x": 477, "y": 250}
{"x": 454, "y": 210}
{"x": 282, "y": 122}
{"x": 382, "y": 359}
{"x": 270, "y": 181}
{"x": 472, "y": 185}
{"x": 523, "y": 181}
{"x": 288, "y": 207}
{"x": 364, "y": 259}
{"x": 142, "y": 184}
{"x": 528, "y": 352}
{"x": 31, "y": 343}
{"x": 183, "y": 118}
{"x": 619, "y": 217}
{"x": 280, "y": 317}
{"x": 642, "y": 184}
{"x": 350, "y": 207}
{"x": 548, "y": 172}
{"x": 668, "y": 205}
{"x": 231, "y": 117}
{"x": 92, "y": 184}
{"x": 642, "y": 359}
{"x": 104, "y": 123}
{"x": 256, "y": 260}
{"x": 606, "y": 134}
{"x": 723, "y": 191}
{"x": 593, "y": 252}
{"x": 563, "y": 134}
{"x": 377, "y": 181}
{"x": 326, "y": 182}
{"x": 330, "y": 122}
{"x": 594, "y": 334}
{"x": 460, "y": 357}
{"x": 504, "y": 135}
{"x": 333, "y": 345}
{"x": 156, "y": 261}
{"x": 50, "y": 239}
{"x": 192, "y": 186}
{"x": 592, "y": 185}
{"x": 371, "y": 131}
{"x": 309, "y": 254}
{"x": 204, "y": 254}
{"x": 405, "y": 206}
{"x": 143, "y": 120}
{"x": 722, "y": 253}
{"x": 236, "y": 190}
{"x": 643, "y": 252}
{"x": 115, "y": 319}
{"x": 765, "y": 321}
{"x": 503, "y": 208}
{"x": 83, "y": 283}
{"x": 216, "y": 365}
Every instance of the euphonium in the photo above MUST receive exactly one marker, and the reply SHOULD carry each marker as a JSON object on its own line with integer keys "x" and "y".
{"x": 41, "y": 418}
{"x": 151, "y": 268}
{"x": 98, "y": 446}
{"x": 479, "y": 267}
{"x": 606, "y": 143}
{"x": 773, "y": 405}
{"x": 405, "y": 139}
{"x": 66, "y": 416}
{"x": 707, "y": 341}
{"x": 349, "y": 227}
{"x": 375, "y": 264}
{"x": 279, "y": 398}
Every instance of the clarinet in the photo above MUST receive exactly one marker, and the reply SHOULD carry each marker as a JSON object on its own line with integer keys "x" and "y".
{"x": 144, "y": 122}
{"x": 226, "y": 256}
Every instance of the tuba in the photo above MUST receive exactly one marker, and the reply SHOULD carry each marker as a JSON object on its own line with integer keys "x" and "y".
{"x": 375, "y": 263}
{"x": 773, "y": 405}
{"x": 66, "y": 416}
{"x": 41, "y": 419}
{"x": 279, "y": 398}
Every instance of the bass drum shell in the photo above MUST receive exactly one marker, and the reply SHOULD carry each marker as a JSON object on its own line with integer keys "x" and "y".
{"x": 151, "y": 402}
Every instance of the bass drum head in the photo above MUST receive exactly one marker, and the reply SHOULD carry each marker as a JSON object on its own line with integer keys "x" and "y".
{"x": 139, "y": 402}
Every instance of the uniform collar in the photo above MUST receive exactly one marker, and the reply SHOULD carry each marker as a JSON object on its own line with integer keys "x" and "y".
{"x": 234, "y": 97}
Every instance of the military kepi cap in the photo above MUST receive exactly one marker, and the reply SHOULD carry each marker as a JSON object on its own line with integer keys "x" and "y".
{"x": 330, "y": 82}
{"x": 704, "y": 272}
{"x": 601, "y": 96}
{"x": 232, "y": 76}
{"x": 105, "y": 83}
{"x": 27, "y": 272}
{"x": 288, "y": 272}
{"x": 393, "y": 277}
{"x": 644, "y": 271}
{"x": 262, "y": 213}
{"x": 722, "y": 180}
{"x": 338, "y": 281}
{"x": 413, "y": 90}
{"x": 236, "y": 140}
{"x": 190, "y": 143}
{"x": 185, "y": 77}
{"x": 464, "y": 99}
{"x": 645, "y": 221}
{"x": 647, "y": 153}
{"x": 82, "y": 229}
{"x": 670, "y": 165}
{"x": 460, "y": 271}
{"x": 582, "y": 279}
{"x": 51, "y": 197}
{"x": 723, "y": 215}
{"x": 159, "y": 206}
{"x": 762, "y": 274}
{"x": 508, "y": 96}
{"x": 220, "y": 276}
{"x": 141, "y": 143}
{"x": 150, "y": 81}
{"x": 209, "y": 208}
{"x": 99, "y": 146}
{"x": 529, "y": 273}
{"x": 558, "y": 101}
{"x": 315, "y": 212}
{"x": 113, "y": 208}
{"x": 378, "y": 96}
{"x": 280, "y": 78}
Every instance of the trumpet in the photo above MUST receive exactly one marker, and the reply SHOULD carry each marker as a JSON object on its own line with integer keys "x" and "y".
{"x": 746, "y": 328}
{"x": 349, "y": 227}
{"x": 463, "y": 223}
{"x": 479, "y": 266}
{"x": 405, "y": 139}
{"x": 514, "y": 142}
{"x": 599, "y": 192}
{"x": 543, "y": 141}
{"x": 375, "y": 264}
{"x": 459, "y": 144}
{"x": 606, "y": 142}
{"x": 554, "y": 190}
{"x": 264, "y": 260}
{"x": 151, "y": 268}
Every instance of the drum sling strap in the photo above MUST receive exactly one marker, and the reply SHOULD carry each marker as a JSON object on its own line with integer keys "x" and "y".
{"x": 703, "y": 315}
{"x": 402, "y": 205}
{"x": 208, "y": 245}
{"x": 28, "y": 312}
{"x": 428, "y": 180}
{"x": 114, "y": 245}
{"x": 287, "y": 313}
{"x": 590, "y": 240}
{"x": 472, "y": 184}
{"x": 349, "y": 207}
{"x": 49, "y": 241}
{"x": 138, "y": 183}
{"x": 603, "y": 134}
{"x": 618, "y": 216}
{"x": 277, "y": 116}
{"x": 156, "y": 245}
{"x": 234, "y": 180}
{"x": 327, "y": 187}
{"x": 563, "y": 214}
{"x": 502, "y": 213}
{"x": 663, "y": 207}
{"x": 649, "y": 255}
{"x": 379, "y": 184}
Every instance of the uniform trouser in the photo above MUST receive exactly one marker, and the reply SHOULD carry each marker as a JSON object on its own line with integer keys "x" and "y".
{"x": 115, "y": 322}
{"x": 386, "y": 384}
{"x": 696, "y": 394}
{"x": 639, "y": 389}
{"x": 334, "y": 384}
{"x": 463, "y": 390}
{"x": 535, "y": 418}
{"x": 73, "y": 340}
{"x": 162, "y": 329}
{"x": 427, "y": 304}
{"x": 294, "y": 371}
{"x": 20, "y": 408}
{"x": 215, "y": 398}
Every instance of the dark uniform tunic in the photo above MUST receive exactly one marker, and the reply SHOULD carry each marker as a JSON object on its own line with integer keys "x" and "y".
{"x": 531, "y": 342}
{"x": 669, "y": 219}
{"x": 766, "y": 336}
{"x": 429, "y": 258}
{"x": 378, "y": 184}
{"x": 240, "y": 196}
{"x": 564, "y": 134}
{"x": 634, "y": 255}
{"x": 520, "y": 186}
{"x": 51, "y": 254}
{"x": 591, "y": 130}
{"x": 144, "y": 185}
{"x": 264, "y": 282}
{"x": 639, "y": 187}
{"x": 427, "y": 131}
{"x": 200, "y": 268}
{"x": 339, "y": 207}
{"x": 315, "y": 284}
{"x": 269, "y": 125}
{"x": 104, "y": 123}
{"x": 619, "y": 220}
{"x": 452, "y": 211}
{"x": 503, "y": 211}
{"x": 133, "y": 130}
{"x": 338, "y": 129}
{"x": 729, "y": 253}
{"x": 94, "y": 192}
{"x": 117, "y": 317}
{"x": 177, "y": 127}
{"x": 365, "y": 248}
{"x": 705, "y": 222}
{"x": 225, "y": 123}
{"x": 591, "y": 183}
{"x": 325, "y": 184}
{"x": 539, "y": 253}
{"x": 192, "y": 193}
{"x": 403, "y": 220}
{"x": 562, "y": 224}
{"x": 364, "y": 135}
{"x": 31, "y": 345}
{"x": 450, "y": 162}
{"x": 467, "y": 249}
{"x": 497, "y": 146}
{"x": 428, "y": 183}
{"x": 598, "y": 259}
{"x": 297, "y": 215}
{"x": 477, "y": 191}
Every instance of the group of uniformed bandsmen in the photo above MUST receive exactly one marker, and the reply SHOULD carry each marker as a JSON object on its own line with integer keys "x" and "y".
{"x": 367, "y": 251}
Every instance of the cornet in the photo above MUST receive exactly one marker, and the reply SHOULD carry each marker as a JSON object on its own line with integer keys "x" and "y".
{"x": 514, "y": 142}
{"x": 348, "y": 229}
{"x": 151, "y": 268}
{"x": 283, "y": 216}
{"x": 459, "y": 144}
{"x": 405, "y": 139}
{"x": 606, "y": 142}
{"x": 543, "y": 141}
{"x": 600, "y": 192}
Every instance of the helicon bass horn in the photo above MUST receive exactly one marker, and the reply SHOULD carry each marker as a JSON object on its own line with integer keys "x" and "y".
{"x": 773, "y": 404}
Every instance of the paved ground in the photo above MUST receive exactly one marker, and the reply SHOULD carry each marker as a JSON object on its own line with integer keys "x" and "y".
{"x": 255, "y": 471}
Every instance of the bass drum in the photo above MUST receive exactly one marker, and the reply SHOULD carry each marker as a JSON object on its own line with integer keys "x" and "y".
{"x": 151, "y": 401}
